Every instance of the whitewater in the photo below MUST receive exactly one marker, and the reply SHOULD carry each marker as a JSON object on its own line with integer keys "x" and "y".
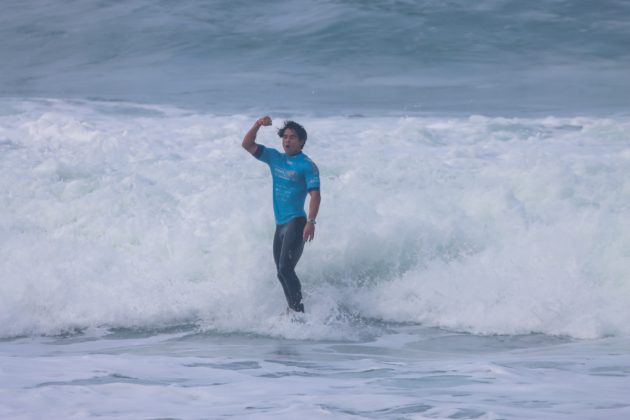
{"x": 135, "y": 216}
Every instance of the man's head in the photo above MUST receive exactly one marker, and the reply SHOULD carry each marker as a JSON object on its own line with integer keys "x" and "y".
{"x": 293, "y": 137}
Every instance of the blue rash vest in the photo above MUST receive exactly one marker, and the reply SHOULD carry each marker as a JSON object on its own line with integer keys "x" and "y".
{"x": 293, "y": 177}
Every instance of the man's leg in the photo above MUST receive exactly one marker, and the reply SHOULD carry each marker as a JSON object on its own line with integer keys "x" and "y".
{"x": 290, "y": 253}
{"x": 278, "y": 239}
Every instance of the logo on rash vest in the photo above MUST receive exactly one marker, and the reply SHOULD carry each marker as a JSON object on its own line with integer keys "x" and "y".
{"x": 285, "y": 174}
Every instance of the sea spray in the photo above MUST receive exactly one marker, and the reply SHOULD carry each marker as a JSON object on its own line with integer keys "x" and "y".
{"x": 122, "y": 215}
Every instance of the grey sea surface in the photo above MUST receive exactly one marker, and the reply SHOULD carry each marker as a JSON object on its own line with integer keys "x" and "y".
{"x": 410, "y": 372}
{"x": 332, "y": 57}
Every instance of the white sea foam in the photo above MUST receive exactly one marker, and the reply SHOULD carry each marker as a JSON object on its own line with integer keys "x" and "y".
{"x": 414, "y": 374}
{"x": 129, "y": 216}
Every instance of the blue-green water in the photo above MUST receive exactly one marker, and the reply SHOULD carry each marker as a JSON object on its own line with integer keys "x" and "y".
{"x": 347, "y": 57}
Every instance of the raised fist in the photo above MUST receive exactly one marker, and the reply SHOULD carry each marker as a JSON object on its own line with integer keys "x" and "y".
{"x": 264, "y": 121}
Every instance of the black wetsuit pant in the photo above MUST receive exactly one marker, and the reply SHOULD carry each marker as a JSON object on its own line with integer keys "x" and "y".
{"x": 288, "y": 244}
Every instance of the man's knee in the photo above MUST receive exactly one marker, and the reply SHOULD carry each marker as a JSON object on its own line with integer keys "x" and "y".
{"x": 285, "y": 271}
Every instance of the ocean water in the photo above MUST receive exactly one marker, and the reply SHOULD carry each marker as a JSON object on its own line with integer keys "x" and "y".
{"x": 472, "y": 253}
{"x": 332, "y": 57}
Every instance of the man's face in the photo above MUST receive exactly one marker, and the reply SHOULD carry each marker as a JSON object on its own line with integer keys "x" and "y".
{"x": 291, "y": 142}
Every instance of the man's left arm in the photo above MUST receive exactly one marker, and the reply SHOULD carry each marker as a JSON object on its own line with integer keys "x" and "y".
{"x": 313, "y": 209}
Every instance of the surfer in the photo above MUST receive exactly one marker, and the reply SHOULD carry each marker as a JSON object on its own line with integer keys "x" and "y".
{"x": 294, "y": 176}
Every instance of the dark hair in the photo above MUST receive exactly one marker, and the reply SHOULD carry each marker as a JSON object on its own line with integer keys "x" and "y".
{"x": 299, "y": 130}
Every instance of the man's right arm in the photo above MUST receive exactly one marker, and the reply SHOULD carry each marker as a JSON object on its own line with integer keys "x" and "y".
{"x": 249, "y": 141}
